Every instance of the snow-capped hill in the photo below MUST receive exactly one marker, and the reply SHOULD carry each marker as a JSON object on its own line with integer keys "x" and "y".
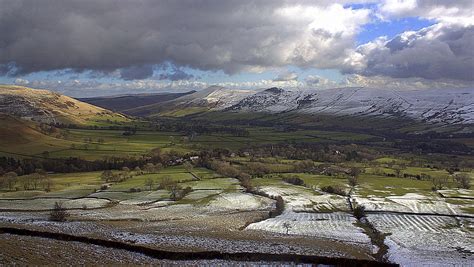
{"x": 223, "y": 98}
{"x": 269, "y": 100}
{"x": 449, "y": 106}
{"x": 355, "y": 101}
{"x": 216, "y": 97}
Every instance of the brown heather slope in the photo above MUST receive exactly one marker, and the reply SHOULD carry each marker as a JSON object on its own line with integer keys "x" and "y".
{"x": 18, "y": 131}
{"x": 25, "y": 137}
{"x": 50, "y": 107}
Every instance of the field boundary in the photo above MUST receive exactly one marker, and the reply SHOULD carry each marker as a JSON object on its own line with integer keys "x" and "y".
{"x": 201, "y": 255}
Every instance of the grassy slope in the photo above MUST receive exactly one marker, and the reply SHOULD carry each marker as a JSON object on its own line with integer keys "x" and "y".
{"x": 57, "y": 107}
{"x": 24, "y": 137}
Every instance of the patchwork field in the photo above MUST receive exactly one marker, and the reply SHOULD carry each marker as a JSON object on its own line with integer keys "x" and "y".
{"x": 264, "y": 190}
{"x": 98, "y": 143}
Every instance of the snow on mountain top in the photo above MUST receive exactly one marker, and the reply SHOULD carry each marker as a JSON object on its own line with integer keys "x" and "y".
{"x": 449, "y": 106}
{"x": 217, "y": 96}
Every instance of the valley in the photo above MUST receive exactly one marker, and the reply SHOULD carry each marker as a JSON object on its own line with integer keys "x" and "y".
{"x": 219, "y": 173}
{"x": 237, "y": 133}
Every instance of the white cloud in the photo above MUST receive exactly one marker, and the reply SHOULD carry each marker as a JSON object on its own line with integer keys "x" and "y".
{"x": 401, "y": 84}
{"x": 319, "y": 82}
{"x": 450, "y": 11}
{"x": 20, "y": 81}
{"x": 441, "y": 51}
{"x": 286, "y": 76}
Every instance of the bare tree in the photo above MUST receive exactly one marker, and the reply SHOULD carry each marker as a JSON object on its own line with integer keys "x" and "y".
{"x": 353, "y": 181}
{"x": 439, "y": 182}
{"x": 149, "y": 167}
{"x": 398, "y": 170}
{"x": 166, "y": 183}
{"x": 106, "y": 175}
{"x": 287, "y": 226}
{"x": 158, "y": 167}
{"x": 188, "y": 166}
{"x": 11, "y": 179}
{"x": 354, "y": 171}
{"x": 359, "y": 212}
{"x": 149, "y": 182}
{"x": 463, "y": 180}
{"x": 353, "y": 178}
{"x": 47, "y": 184}
{"x": 138, "y": 171}
{"x": 58, "y": 213}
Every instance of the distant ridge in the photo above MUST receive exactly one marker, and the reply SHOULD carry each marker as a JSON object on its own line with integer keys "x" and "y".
{"x": 122, "y": 103}
{"x": 211, "y": 98}
{"x": 433, "y": 106}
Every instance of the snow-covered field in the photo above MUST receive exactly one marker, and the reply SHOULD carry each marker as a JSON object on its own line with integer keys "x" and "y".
{"x": 411, "y": 203}
{"x": 172, "y": 210}
{"x": 300, "y": 199}
{"x": 416, "y": 240}
{"x": 142, "y": 213}
{"x": 309, "y": 215}
{"x": 148, "y": 198}
{"x": 200, "y": 194}
{"x": 239, "y": 201}
{"x": 462, "y": 193}
{"x": 48, "y": 203}
{"x": 301, "y": 214}
{"x": 337, "y": 225}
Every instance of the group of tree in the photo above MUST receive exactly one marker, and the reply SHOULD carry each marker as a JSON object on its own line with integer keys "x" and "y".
{"x": 334, "y": 189}
{"x": 116, "y": 176}
{"x": 463, "y": 180}
{"x": 194, "y": 128}
{"x": 128, "y": 131}
{"x": 23, "y": 166}
{"x": 313, "y": 151}
{"x": 439, "y": 182}
{"x": 177, "y": 192}
{"x": 353, "y": 178}
{"x": 227, "y": 170}
{"x": 151, "y": 168}
{"x": 33, "y": 181}
{"x": 295, "y": 180}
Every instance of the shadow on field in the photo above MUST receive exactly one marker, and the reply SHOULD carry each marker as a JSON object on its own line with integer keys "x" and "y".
{"x": 202, "y": 255}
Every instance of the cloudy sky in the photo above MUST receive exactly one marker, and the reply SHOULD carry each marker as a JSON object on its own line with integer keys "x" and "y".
{"x": 86, "y": 48}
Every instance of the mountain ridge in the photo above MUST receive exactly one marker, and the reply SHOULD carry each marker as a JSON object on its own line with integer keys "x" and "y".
{"x": 454, "y": 106}
{"x": 49, "y": 107}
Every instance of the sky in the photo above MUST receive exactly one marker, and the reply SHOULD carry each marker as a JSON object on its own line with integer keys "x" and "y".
{"x": 106, "y": 47}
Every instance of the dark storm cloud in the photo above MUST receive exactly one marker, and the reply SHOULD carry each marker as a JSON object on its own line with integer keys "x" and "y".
{"x": 136, "y": 72}
{"x": 438, "y": 52}
{"x": 111, "y": 35}
{"x": 129, "y": 37}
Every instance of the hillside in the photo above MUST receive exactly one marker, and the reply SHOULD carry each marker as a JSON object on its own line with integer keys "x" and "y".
{"x": 433, "y": 106}
{"x": 20, "y": 136}
{"x": 50, "y": 107}
{"x": 212, "y": 98}
{"x": 122, "y": 103}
